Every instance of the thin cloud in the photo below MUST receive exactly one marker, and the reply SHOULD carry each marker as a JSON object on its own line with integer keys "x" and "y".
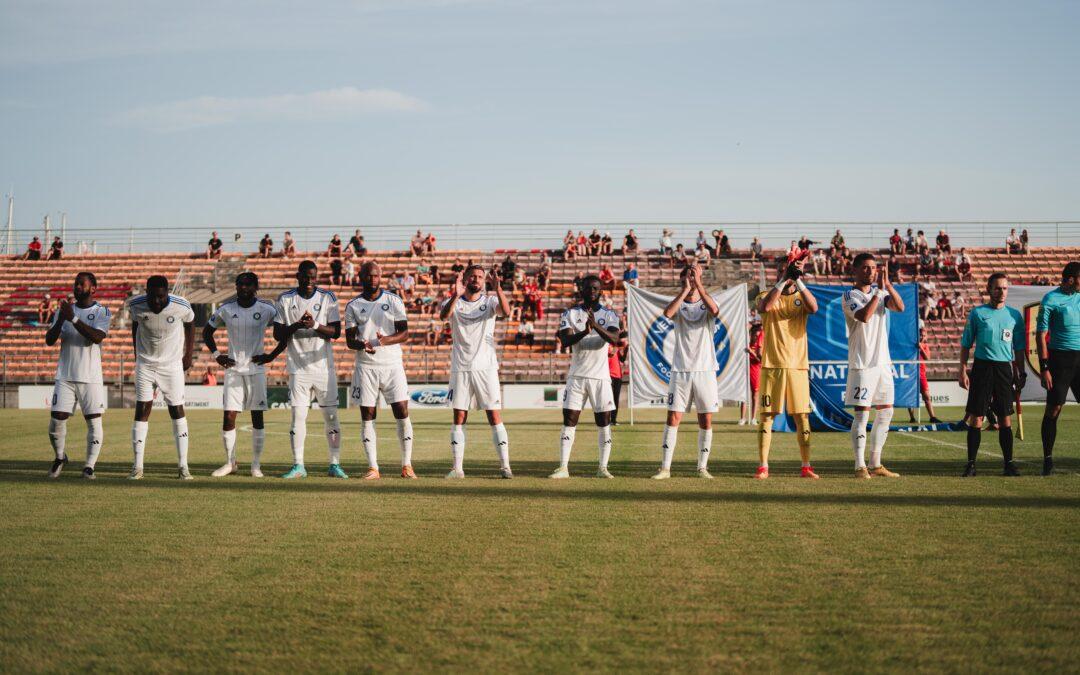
{"x": 328, "y": 104}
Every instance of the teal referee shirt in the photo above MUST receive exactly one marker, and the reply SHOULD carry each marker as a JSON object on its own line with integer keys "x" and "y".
{"x": 1059, "y": 313}
{"x": 996, "y": 333}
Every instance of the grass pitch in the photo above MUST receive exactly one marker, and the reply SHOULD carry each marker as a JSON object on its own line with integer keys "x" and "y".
{"x": 930, "y": 571}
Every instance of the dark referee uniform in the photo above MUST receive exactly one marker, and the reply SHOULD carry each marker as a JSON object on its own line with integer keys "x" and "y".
{"x": 1059, "y": 314}
{"x": 996, "y": 334}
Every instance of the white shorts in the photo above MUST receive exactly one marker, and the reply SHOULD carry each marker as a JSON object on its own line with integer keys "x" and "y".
{"x": 320, "y": 387}
{"x": 869, "y": 387}
{"x": 592, "y": 389}
{"x": 478, "y": 389}
{"x": 697, "y": 388}
{"x": 90, "y": 397}
{"x": 168, "y": 380}
{"x": 244, "y": 392}
{"x": 370, "y": 381}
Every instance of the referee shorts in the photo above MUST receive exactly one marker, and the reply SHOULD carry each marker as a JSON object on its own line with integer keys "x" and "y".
{"x": 991, "y": 388}
{"x": 1064, "y": 369}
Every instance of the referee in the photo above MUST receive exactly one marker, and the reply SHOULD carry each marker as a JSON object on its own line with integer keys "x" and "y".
{"x": 1059, "y": 362}
{"x": 997, "y": 333}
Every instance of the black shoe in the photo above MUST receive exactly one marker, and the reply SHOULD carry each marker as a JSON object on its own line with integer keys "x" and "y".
{"x": 1011, "y": 470}
{"x": 969, "y": 470}
{"x": 88, "y": 473}
{"x": 58, "y": 466}
{"x": 934, "y": 420}
{"x": 1048, "y": 466}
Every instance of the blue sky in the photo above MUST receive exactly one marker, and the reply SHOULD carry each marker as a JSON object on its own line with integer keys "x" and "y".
{"x": 262, "y": 113}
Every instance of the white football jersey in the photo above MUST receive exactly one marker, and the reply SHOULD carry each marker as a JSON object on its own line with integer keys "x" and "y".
{"x": 372, "y": 317}
{"x": 868, "y": 343}
{"x": 589, "y": 358}
{"x": 80, "y": 359}
{"x": 308, "y": 352}
{"x": 472, "y": 326}
{"x": 160, "y": 337}
{"x": 693, "y": 335}
{"x": 247, "y": 332}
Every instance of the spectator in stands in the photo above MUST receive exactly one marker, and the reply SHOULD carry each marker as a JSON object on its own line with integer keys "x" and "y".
{"x": 356, "y": 242}
{"x": 416, "y": 244}
{"x": 805, "y": 243}
{"x": 927, "y": 262}
{"x": 33, "y": 250}
{"x": 821, "y": 262}
{"x": 209, "y": 379}
{"x": 958, "y": 304}
{"x": 892, "y": 267}
{"x": 407, "y": 283}
{"x": 429, "y": 243}
{"x": 457, "y": 268}
{"x": 266, "y": 246}
{"x": 543, "y": 276}
{"x": 432, "y": 334}
{"x": 525, "y": 333}
{"x": 606, "y": 244}
{"x": 666, "y": 247}
{"x": 349, "y": 274}
{"x": 56, "y": 251}
{"x": 1013, "y": 245}
{"x": 445, "y": 336}
{"x": 755, "y": 249}
{"x": 534, "y": 300}
{"x": 581, "y": 244}
{"x": 677, "y": 256}
{"x": 336, "y": 277}
{"x": 630, "y": 275}
{"x": 518, "y": 280}
{"x": 921, "y": 244}
{"x": 630, "y": 243}
{"x": 909, "y": 242}
{"x": 569, "y": 243}
{"x": 213, "y": 247}
{"x": 423, "y": 272}
{"x": 963, "y": 265}
{"x": 943, "y": 246}
{"x": 607, "y": 278}
{"x": 723, "y": 244}
{"x": 1024, "y": 244}
{"x": 288, "y": 249}
{"x": 896, "y": 244}
{"x": 507, "y": 268}
{"x": 945, "y": 307}
{"x": 333, "y": 250}
{"x": 45, "y": 309}
{"x": 702, "y": 240}
{"x": 703, "y": 256}
{"x": 837, "y": 241}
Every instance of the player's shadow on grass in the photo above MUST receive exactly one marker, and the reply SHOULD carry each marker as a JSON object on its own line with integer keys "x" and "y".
{"x": 584, "y": 488}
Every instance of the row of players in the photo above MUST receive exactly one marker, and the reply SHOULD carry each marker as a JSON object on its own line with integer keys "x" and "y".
{"x": 305, "y": 321}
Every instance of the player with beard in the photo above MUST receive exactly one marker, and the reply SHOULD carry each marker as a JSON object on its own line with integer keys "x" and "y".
{"x": 375, "y": 326}
{"x": 1059, "y": 361}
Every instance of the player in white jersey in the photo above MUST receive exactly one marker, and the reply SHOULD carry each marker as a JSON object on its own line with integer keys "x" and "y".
{"x": 693, "y": 368}
{"x": 375, "y": 326}
{"x": 588, "y": 328}
{"x": 246, "y": 319}
{"x": 308, "y": 320}
{"x": 869, "y": 375}
{"x": 474, "y": 370}
{"x": 163, "y": 331}
{"x": 80, "y": 328}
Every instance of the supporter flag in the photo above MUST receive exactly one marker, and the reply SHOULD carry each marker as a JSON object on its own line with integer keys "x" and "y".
{"x": 652, "y": 344}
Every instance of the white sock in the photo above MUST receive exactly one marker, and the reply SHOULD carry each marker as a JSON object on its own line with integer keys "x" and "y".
{"x": 566, "y": 444}
{"x": 138, "y": 441}
{"x": 502, "y": 444}
{"x": 94, "y": 437}
{"x": 603, "y": 442}
{"x": 180, "y": 435}
{"x": 405, "y": 437}
{"x": 367, "y": 437}
{"x": 704, "y": 444}
{"x": 858, "y": 436}
{"x": 258, "y": 442}
{"x": 457, "y": 445}
{"x": 333, "y": 434}
{"x": 229, "y": 439}
{"x": 669, "y": 447}
{"x": 298, "y": 433}
{"x": 58, "y": 436}
{"x": 878, "y": 435}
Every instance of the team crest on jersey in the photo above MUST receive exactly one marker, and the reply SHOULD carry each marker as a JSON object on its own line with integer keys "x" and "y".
{"x": 318, "y": 307}
{"x": 89, "y": 317}
{"x": 386, "y": 308}
{"x": 483, "y": 307}
{"x": 170, "y": 319}
{"x": 258, "y": 315}
{"x": 659, "y": 331}
{"x": 798, "y": 302}
{"x": 601, "y": 322}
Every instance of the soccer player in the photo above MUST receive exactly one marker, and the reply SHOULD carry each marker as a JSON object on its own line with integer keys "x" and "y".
{"x": 693, "y": 369}
{"x": 308, "y": 320}
{"x": 163, "y": 332}
{"x": 375, "y": 326}
{"x": 589, "y": 328}
{"x": 1059, "y": 362}
{"x": 997, "y": 333}
{"x": 869, "y": 375}
{"x": 785, "y": 364}
{"x": 80, "y": 328}
{"x": 245, "y": 319}
{"x": 474, "y": 370}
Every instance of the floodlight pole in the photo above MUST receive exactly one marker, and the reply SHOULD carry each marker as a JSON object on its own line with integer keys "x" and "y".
{"x": 9, "y": 240}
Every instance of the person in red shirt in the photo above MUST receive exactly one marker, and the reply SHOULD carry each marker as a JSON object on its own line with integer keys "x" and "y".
{"x": 615, "y": 358}
{"x": 924, "y": 384}
{"x": 534, "y": 300}
{"x": 757, "y": 340}
{"x": 607, "y": 278}
{"x": 33, "y": 250}
{"x": 896, "y": 243}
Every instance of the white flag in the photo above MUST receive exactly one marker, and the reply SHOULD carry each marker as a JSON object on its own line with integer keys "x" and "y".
{"x": 652, "y": 344}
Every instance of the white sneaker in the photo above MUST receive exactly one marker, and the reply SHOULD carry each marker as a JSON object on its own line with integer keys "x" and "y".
{"x": 662, "y": 474}
{"x": 136, "y": 473}
{"x": 704, "y": 473}
{"x": 455, "y": 473}
{"x": 224, "y": 470}
{"x": 185, "y": 474}
{"x": 505, "y": 472}
{"x": 742, "y": 423}
{"x": 561, "y": 472}
{"x": 602, "y": 472}
{"x": 256, "y": 472}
